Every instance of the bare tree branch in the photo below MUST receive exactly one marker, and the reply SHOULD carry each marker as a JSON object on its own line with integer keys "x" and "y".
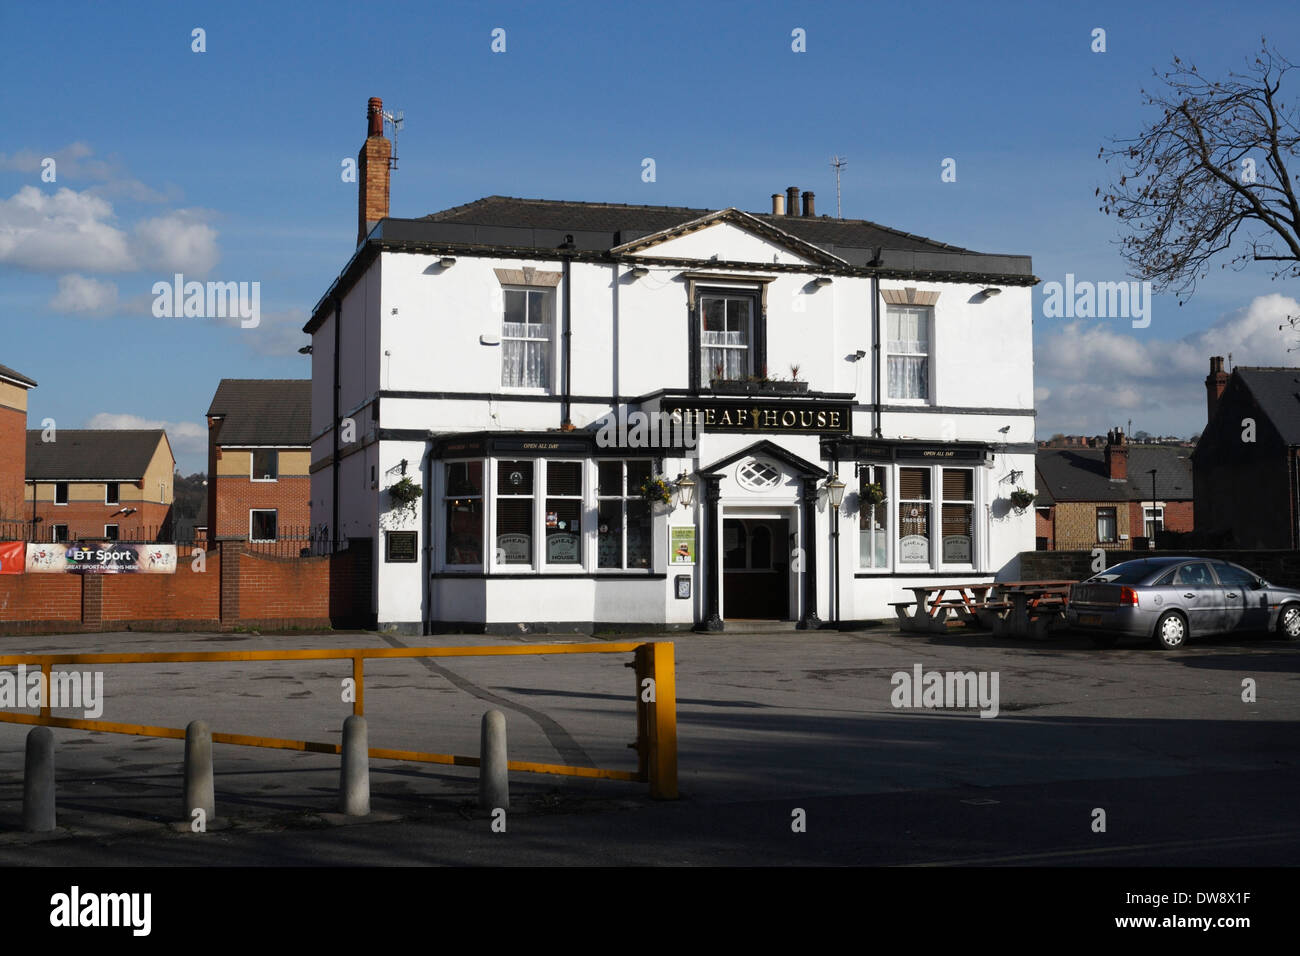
{"x": 1217, "y": 159}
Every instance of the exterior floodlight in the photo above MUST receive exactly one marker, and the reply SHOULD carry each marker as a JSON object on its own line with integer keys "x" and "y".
{"x": 822, "y": 281}
{"x": 640, "y": 272}
{"x": 447, "y": 262}
{"x": 991, "y": 292}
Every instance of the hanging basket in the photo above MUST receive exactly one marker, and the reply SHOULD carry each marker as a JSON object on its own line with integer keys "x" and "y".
{"x": 1022, "y": 499}
{"x": 657, "y": 490}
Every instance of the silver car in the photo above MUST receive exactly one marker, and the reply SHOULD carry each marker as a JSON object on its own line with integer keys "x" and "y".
{"x": 1169, "y": 599}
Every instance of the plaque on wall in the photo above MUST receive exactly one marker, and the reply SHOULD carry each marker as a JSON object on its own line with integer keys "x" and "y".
{"x": 400, "y": 547}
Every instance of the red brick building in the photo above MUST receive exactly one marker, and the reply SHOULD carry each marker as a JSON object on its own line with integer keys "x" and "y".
{"x": 259, "y": 460}
{"x": 113, "y": 484}
{"x": 13, "y": 443}
{"x": 1103, "y": 497}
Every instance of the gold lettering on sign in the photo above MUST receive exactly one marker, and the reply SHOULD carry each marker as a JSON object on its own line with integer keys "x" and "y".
{"x": 753, "y": 415}
{"x": 769, "y": 418}
{"x": 788, "y": 418}
{"x": 805, "y": 419}
{"x": 708, "y": 415}
{"x": 835, "y": 419}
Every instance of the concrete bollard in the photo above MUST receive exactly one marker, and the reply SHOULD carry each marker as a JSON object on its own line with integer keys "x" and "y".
{"x": 354, "y": 780}
{"x": 493, "y": 781}
{"x": 38, "y": 781}
{"x": 199, "y": 793}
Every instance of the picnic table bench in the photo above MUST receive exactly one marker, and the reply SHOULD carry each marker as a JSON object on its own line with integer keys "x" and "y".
{"x": 1015, "y": 608}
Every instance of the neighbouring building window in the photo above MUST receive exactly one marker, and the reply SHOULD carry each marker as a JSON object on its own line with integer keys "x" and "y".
{"x": 261, "y": 524}
{"x": 727, "y": 337}
{"x": 463, "y": 503}
{"x": 622, "y": 515}
{"x": 1153, "y": 520}
{"x": 110, "y": 532}
{"x": 514, "y": 512}
{"x": 1106, "y": 525}
{"x": 59, "y": 533}
{"x": 527, "y": 334}
{"x": 958, "y": 516}
{"x": 914, "y": 503}
{"x": 60, "y": 492}
{"x": 264, "y": 465}
{"x": 908, "y": 351}
{"x": 110, "y": 493}
{"x": 873, "y": 517}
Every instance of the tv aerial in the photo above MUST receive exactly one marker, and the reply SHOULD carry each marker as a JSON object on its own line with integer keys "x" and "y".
{"x": 395, "y": 120}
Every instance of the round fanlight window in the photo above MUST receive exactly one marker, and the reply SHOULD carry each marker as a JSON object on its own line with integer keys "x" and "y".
{"x": 758, "y": 475}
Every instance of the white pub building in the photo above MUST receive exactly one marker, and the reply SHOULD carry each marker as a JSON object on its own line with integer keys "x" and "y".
{"x": 560, "y": 416}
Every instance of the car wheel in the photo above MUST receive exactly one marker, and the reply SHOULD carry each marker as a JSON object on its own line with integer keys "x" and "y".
{"x": 1288, "y": 623}
{"x": 1171, "y": 631}
{"x": 1104, "y": 639}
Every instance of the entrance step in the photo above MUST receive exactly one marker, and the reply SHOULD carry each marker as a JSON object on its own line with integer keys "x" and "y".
{"x": 758, "y": 627}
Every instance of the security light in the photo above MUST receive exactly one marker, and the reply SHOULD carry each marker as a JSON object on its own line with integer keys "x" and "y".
{"x": 640, "y": 272}
{"x": 821, "y": 281}
{"x": 447, "y": 262}
{"x": 990, "y": 292}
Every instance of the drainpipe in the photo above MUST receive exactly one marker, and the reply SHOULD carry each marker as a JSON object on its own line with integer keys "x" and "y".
{"x": 875, "y": 347}
{"x": 428, "y": 538}
{"x": 334, "y": 501}
{"x": 566, "y": 418}
{"x": 835, "y": 544}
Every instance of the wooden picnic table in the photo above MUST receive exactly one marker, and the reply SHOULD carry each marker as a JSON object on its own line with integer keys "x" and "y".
{"x": 935, "y": 603}
{"x": 1033, "y": 609}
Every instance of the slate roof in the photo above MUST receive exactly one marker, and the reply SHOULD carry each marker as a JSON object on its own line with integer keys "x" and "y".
{"x": 823, "y": 231}
{"x": 1277, "y": 391}
{"x": 7, "y": 372}
{"x": 110, "y": 454}
{"x": 1079, "y": 474}
{"x": 263, "y": 411}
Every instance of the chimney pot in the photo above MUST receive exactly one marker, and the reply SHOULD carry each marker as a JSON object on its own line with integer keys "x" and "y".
{"x": 778, "y": 204}
{"x": 808, "y": 208}
{"x": 372, "y": 171}
{"x": 1215, "y": 383}
{"x": 792, "y": 200}
{"x": 1116, "y": 455}
{"x": 375, "y": 117}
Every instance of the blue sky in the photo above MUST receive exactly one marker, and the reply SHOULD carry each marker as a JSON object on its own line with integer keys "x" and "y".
{"x": 225, "y": 164}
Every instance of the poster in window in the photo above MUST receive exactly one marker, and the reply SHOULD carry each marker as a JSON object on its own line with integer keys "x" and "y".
{"x": 562, "y": 549}
{"x": 514, "y": 549}
{"x": 681, "y": 544}
{"x": 914, "y": 549}
{"x": 956, "y": 549}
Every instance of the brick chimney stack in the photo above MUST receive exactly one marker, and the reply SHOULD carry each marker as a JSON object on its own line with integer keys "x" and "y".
{"x": 1215, "y": 383}
{"x": 372, "y": 172}
{"x": 1116, "y": 455}
{"x": 809, "y": 204}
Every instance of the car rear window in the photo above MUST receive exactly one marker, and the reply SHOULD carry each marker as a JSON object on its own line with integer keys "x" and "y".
{"x": 1127, "y": 572}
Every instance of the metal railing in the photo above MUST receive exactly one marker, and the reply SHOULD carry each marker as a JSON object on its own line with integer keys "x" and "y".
{"x": 655, "y": 696}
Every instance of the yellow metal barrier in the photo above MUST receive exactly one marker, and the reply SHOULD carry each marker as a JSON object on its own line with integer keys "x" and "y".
{"x": 656, "y": 703}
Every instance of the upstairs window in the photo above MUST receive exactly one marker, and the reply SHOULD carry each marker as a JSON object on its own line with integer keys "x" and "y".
{"x": 527, "y": 336}
{"x": 726, "y": 337}
{"x": 264, "y": 465}
{"x": 111, "y": 493}
{"x": 908, "y": 348}
{"x": 60, "y": 492}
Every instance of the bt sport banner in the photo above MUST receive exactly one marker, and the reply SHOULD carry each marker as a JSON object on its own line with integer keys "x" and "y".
{"x": 101, "y": 557}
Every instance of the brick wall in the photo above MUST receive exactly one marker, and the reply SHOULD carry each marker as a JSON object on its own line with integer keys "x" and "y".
{"x": 13, "y": 463}
{"x": 1179, "y": 516}
{"x": 1279, "y": 567}
{"x": 234, "y": 497}
{"x": 237, "y": 588}
{"x": 86, "y": 519}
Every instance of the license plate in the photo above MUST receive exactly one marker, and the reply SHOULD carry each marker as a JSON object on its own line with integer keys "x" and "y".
{"x": 1094, "y": 619}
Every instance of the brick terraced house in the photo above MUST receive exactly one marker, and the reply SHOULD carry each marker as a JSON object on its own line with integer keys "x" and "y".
{"x": 1102, "y": 497}
{"x": 13, "y": 443}
{"x": 100, "y": 484}
{"x": 259, "y": 457}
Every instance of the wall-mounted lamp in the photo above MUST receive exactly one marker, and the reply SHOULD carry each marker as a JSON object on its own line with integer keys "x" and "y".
{"x": 822, "y": 281}
{"x": 447, "y": 262}
{"x": 860, "y": 354}
{"x": 639, "y": 272}
{"x": 488, "y": 338}
{"x": 990, "y": 292}
{"x": 305, "y": 350}
{"x": 835, "y": 489}
{"x": 685, "y": 490}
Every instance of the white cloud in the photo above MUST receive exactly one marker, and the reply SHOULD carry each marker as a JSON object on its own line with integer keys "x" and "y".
{"x": 188, "y": 439}
{"x": 65, "y": 230}
{"x": 1096, "y": 374}
{"x": 179, "y": 241}
{"x": 79, "y": 294}
{"x": 277, "y": 333}
{"x": 74, "y": 162}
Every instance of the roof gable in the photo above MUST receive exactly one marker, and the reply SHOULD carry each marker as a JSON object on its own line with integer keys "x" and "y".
{"x": 731, "y": 235}
{"x": 1277, "y": 393}
{"x": 271, "y": 412}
